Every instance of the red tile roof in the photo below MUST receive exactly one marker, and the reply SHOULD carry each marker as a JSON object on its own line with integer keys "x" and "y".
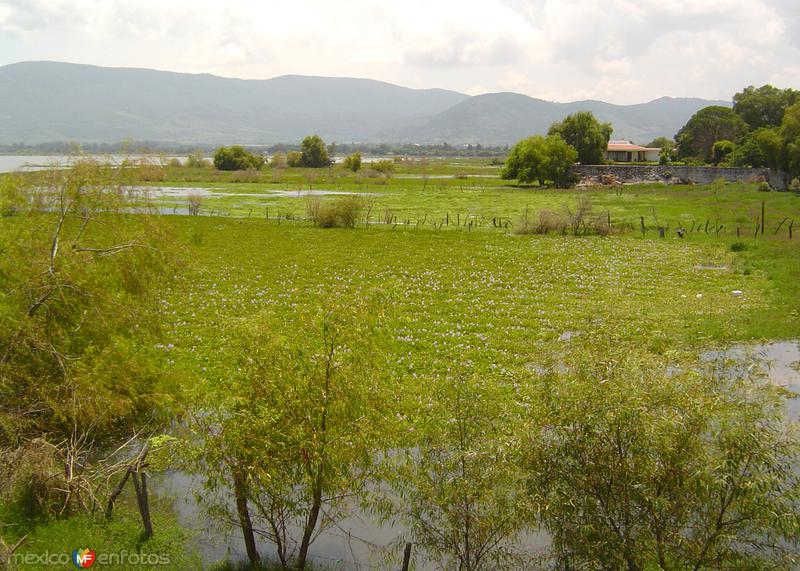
{"x": 628, "y": 146}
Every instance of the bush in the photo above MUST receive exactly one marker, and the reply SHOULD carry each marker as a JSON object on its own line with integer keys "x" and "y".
{"x": 338, "y": 213}
{"x": 174, "y": 163}
{"x": 764, "y": 187}
{"x": 738, "y": 247}
{"x": 196, "y": 160}
{"x": 385, "y": 167}
{"x": 249, "y": 175}
{"x": 294, "y": 158}
{"x": 353, "y": 162}
{"x": 236, "y": 158}
{"x": 278, "y": 161}
{"x": 795, "y": 185}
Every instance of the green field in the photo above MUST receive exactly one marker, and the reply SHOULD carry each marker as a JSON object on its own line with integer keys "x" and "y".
{"x": 478, "y": 287}
{"x": 437, "y": 250}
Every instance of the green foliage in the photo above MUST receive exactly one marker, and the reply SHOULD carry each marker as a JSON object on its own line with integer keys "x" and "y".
{"x": 301, "y": 418}
{"x": 540, "y": 159}
{"x": 759, "y": 148}
{"x": 313, "y": 152}
{"x": 278, "y": 161}
{"x": 711, "y": 124}
{"x": 337, "y": 213}
{"x": 458, "y": 492}
{"x": 739, "y": 247}
{"x": 294, "y": 159}
{"x": 586, "y": 134}
{"x": 236, "y": 158}
{"x": 79, "y": 361}
{"x": 352, "y": 162}
{"x": 722, "y": 150}
{"x": 637, "y": 470}
{"x": 196, "y": 160}
{"x": 385, "y": 167}
{"x": 790, "y": 136}
{"x": 661, "y": 143}
{"x": 764, "y": 106}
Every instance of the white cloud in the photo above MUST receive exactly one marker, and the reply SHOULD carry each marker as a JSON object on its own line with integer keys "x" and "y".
{"x": 618, "y": 50}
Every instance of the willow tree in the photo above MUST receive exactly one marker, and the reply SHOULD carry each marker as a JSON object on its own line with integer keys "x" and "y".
{"x": 80, "y": 261}
{"x": 293, "y": 426}
{"x": 456, "y": 486}
{"x": 636, "y": 469}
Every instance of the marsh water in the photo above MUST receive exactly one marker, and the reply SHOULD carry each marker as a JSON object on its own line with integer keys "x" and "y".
{"x": 359, "y": 542}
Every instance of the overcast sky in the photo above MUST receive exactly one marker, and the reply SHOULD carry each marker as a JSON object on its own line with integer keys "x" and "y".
{"x": 622, "y": 51}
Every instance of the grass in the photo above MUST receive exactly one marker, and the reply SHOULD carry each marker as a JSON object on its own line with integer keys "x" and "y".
{"x": 118, "y": 543}
{"x": 489, "y": 297}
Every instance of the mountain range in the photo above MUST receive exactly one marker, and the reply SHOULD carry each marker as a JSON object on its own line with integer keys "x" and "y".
{"x": 53, "y": 101}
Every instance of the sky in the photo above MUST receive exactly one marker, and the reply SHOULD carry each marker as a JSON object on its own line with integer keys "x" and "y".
{"x": 620, "y": 51}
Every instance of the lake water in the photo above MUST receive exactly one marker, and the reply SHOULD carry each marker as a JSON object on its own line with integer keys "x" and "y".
{"x": 13, "y": 163}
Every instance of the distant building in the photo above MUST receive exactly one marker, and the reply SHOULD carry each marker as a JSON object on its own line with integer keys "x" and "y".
{"x": 627, "y": 152}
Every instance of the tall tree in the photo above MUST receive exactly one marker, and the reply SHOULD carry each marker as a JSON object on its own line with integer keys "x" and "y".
{"x": 314, "y": 154}
{"x": 586, "y": 134}
{"x": 711, "y": 124}
{"x": 540, "y": 159}
{"x": 764, "y": 106}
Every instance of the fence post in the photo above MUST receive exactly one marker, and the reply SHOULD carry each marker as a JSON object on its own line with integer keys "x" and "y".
{"x": 407, "y": 557}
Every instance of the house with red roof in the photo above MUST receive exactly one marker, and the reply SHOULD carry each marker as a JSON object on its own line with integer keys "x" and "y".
{"x": 627, "y": 152}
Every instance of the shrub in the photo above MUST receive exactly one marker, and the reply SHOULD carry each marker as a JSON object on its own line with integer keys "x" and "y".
{"x": 795, "y": 185}
{"x": 294, "y": 158}
{"x": 338, "y": 213}
{"x": 174, "y": 163}
{"x": 353, "y": 162}
{"x": 278, "y": 161}
{"x": 196, "y": 160}
{"x": 236, "y": 158}
{"x": 193, "y": 203}
{"x": 764, "y": 187}
{"x": 386, "y": 167}
{"x": 738, "y": 247}
{"x": 249, "y": 175}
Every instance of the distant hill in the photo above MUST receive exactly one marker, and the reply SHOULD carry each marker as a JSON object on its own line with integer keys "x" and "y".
{"x": 51, "y": 101}
{"x": 500, "y": 118}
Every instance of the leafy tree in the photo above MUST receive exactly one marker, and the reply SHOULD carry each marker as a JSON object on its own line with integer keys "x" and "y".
{"x": 353, "y": 162}
{"x": 292, "y": 427}
{"x": 236, "y": 158}
{"x": 790, "y": 138}
{"x": 540, "y": 159}
{"x": 711, "y": 124}
{"x": 79, "y": 365}
{"x": 759, "y": 148}
{"x": 313, "y": 152}
{"x": 636, "y": 471}
{"x": 764, "y": 106}
{"x": 586, "y": 134}
{"x": 459, "y": 491}
{"x": 661, "y": 143}
{"x": 722, "y": 150}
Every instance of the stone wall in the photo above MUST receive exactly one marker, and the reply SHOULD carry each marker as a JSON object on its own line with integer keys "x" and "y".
{"x": 673, "y": 174}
